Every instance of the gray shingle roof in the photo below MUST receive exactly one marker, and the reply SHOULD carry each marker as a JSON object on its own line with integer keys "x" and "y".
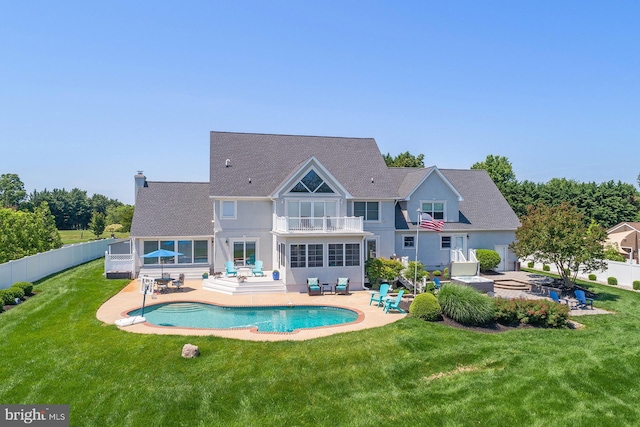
{"x": 173, "y": 209}
{"x": 483, "y": 207}
{"x": 269, "y": 159}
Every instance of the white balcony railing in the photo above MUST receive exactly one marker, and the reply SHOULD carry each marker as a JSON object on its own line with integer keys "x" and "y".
{"x": 289, "y": 224}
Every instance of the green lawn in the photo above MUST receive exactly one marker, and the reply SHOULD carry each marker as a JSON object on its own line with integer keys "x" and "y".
{"x": 78, "y": 236}
{"x": 409, "y": 373}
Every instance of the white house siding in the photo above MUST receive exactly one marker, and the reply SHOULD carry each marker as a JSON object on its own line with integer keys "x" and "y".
{"x": 254, "y": 221}
{"x": 384, "y": 229}
{"x": 491, "y": 239}
{"x": 434, "y": 189}
{"x": 296, "y": 278}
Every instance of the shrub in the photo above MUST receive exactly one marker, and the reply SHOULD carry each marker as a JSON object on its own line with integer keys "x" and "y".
{"x": 437, "y": 273}
{"x": 465, "y": 305}
{"x": 425, "y": 306}
{"x": 538, "y": 312}
{"x": 530, "y": 264}
{"x": 414, "y": 269}
{"x": 612, "y": 281}
{"x": 9, "y": 295}
{"x": 446, "y": 272}
{"x": 592, "y": 277}
{"x": 636, "y": 285}
{"x": 488, "y": 259}
{"x": 27, "y": 287}
{"x": 17, "y": 292}
{"x": 113, "y": 228}
{"x": 545, "y": 267}
{"x": 382, "y": 269}
{"x": 6, "y": 297}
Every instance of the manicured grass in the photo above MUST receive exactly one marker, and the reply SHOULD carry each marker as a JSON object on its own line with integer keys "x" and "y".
{"x": 411, "y": 373}
{"x": 78, "y": 236}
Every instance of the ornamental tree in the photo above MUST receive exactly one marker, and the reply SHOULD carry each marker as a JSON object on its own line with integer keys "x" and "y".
{"x": 558, "y": 235}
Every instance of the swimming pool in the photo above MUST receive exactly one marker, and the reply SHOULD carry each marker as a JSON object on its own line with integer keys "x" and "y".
{"x": 265, "y": 319}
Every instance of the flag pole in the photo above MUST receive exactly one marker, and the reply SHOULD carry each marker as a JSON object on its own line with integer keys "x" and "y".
{"x": 415, "y": 266}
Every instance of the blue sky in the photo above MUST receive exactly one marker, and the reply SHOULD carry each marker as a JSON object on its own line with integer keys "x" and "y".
{"x": 92, "y": 92}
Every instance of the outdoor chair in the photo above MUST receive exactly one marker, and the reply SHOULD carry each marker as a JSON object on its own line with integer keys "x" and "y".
{"x": 583, "y": 301}
{"x": 230, "y": 269}
{"x": 394, "y": 304}
{"x": 180, "y": 282}
{"x": 313, "y": 287}
{"x": 257, "y": 269}
{"x": 554, "y": 296}
{"x": 379, "y": 297}
{"x": 342, "y": 286}
{"x": 437, "y": 283}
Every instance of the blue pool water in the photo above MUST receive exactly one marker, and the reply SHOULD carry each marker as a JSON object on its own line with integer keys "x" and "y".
{"x": 266, "y": 319}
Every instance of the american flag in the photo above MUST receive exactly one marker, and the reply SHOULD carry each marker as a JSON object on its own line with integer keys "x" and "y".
{"x": 427, "y": 221}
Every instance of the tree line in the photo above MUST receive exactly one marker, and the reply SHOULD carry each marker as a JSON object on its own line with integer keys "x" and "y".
{"x": 29, "y": 223}
{"x": 607, "y": 203}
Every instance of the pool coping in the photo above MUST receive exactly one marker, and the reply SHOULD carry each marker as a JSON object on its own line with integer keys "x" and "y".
{"x": 129, "y": 298}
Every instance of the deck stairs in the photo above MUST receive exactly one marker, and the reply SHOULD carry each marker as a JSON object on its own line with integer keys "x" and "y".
{"x": 251, "y": 285}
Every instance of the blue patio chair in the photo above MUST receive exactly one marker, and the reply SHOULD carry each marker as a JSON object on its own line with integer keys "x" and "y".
{"x": 342, "y": 285}
{"x": 313, "y": 287}
{"x": 379, "y": 297}
{"x": 257, "y": 269}
{"x": 230, "y": 269}
{"x": 554, "y": 296}
{"x": 583, "y": 301}
{"x": 394, "y": 304}
{"x": 437, "y": 283}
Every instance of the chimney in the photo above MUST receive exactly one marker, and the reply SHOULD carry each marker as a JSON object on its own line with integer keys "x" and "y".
{"x": 141, "y": 181}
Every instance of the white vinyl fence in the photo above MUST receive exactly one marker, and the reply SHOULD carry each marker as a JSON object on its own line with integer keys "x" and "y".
{"x": 624, "y": 272}
{"x": 35, "y": 267}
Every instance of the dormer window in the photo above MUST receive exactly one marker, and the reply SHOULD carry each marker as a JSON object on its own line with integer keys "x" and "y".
{"x": 435, "y": 209}
{"x": 311, "y": 183}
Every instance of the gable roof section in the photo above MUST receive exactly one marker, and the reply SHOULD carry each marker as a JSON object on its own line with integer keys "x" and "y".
{"x": 624, "y": 226}
{"x": 483, "y": 207}
{"x": 268, "y": 160}
{"x": 412, "y": 178}
{"x": 311, "y": 163}
{"x": 173, "y": 209}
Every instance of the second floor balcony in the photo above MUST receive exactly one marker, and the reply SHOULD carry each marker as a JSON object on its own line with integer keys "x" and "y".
{"x": 343, "y": 224}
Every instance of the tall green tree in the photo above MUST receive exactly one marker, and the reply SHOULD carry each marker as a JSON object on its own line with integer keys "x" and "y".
{"x": 499, "y": 169}
{"x": 404, "y": 160}
{"x": 12, "y": 191}
{"x": 97, "y": 224}
{"x": 558, "y": 235}
{"x": 122, "y": 215}
{"x": 26, "y": 233}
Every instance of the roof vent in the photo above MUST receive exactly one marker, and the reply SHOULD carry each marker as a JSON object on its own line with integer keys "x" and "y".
{"x": 227, "y": 163}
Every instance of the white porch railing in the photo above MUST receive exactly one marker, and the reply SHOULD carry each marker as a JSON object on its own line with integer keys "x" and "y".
{"x": 289, "y": 224}
{"x": 118, "y": 262}
{"x": 457, "y": 255}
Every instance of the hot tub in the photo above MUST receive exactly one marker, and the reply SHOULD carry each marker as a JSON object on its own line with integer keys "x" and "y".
{"x": 479, "y": 283}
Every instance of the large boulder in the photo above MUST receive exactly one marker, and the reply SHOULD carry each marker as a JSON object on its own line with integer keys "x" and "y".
{"x": 190, "y": 351}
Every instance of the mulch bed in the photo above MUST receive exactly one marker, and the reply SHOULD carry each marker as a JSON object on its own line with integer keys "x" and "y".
{"x": 26, "y": 297}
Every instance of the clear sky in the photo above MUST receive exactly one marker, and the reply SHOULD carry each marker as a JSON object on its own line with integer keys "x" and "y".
{"x": 91, "y": 92}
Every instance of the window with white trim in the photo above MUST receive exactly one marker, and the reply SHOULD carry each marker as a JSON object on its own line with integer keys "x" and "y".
{"x": 298, "y": 256}
{"x": 228, "y": 209}
{"x": 409, "y": 242}
{"x": 315, "y": 255}
{"x": 445, "y": 242}
{"x": 344, "y": 254}
{"x": 435, "y": 208}
{"x": 370, "y": 211}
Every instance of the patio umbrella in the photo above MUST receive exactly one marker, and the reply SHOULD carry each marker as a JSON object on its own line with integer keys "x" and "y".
{"x": 161, "y": 253}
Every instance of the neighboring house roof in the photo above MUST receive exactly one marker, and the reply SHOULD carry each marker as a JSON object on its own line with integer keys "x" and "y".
{"x": 624, "y": 226}
{"x": 268, "y": 160}
{"x": 483, "y": 207}
{"x": 173, "y": 209}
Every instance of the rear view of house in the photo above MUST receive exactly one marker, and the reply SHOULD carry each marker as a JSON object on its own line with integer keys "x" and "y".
{"x": 311, "y": 206}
